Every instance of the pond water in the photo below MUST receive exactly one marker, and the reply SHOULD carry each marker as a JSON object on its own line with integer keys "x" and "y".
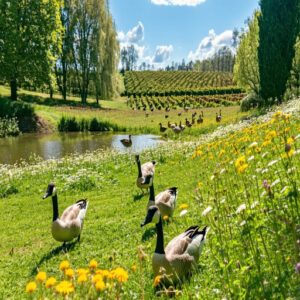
{"x": 58, "y": 145}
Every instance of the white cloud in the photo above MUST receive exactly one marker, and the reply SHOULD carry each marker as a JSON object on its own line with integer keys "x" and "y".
{"x": 135, "y": 35}
{"x": 178, "y": 2}
{"x": 211, "y": 44}
{"x": 162, "y": 54}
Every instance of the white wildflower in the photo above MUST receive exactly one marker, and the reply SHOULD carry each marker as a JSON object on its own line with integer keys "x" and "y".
{"x": 241, "y": 208}
{"x": 183, "y": 213}
{"x": 254, "y": 204}
{"x": 243, "y": 223}
{"x": 283, "y": 190}
{"x": 253, "y": 145}
{"x": 273, "y": 162}
{"x": 250, "y": 158}
{"x": 275, "y": 182}
{"x": 206, "y": 211}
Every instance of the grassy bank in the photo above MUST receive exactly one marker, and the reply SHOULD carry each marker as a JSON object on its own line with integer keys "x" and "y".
{"x": 119, "y": 115}
{"x": 244, "y": 185}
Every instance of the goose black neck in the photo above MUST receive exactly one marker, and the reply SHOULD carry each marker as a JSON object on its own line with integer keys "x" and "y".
{"x": 152, "y": 196}
{"x": 160, "y": 238}
{"x": 139, "y": 168}
{"x": 55, "y": 207}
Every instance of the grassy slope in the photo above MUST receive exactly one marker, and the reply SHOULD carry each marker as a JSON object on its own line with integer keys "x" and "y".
{"x": 117, "y": 112}
{"x": 229, "y": 266}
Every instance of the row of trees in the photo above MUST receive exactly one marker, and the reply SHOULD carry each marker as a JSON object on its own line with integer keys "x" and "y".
{"x": 68, "y": 45}
{"x": 268, "y": 57}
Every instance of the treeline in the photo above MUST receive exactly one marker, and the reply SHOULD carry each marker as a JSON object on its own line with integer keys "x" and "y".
{"x": 268, "y": 57}
{"x": 68, "y": 46}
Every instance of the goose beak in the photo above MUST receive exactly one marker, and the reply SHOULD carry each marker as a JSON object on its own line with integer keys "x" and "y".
{"x": 46, "y": 195}
{"x": 145, "y": 222}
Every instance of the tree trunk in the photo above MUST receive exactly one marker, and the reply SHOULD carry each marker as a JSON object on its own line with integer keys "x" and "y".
{"x": 13, "y": 90}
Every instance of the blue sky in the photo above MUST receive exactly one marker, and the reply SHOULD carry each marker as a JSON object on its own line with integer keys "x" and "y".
{"x": 169, "y": 30}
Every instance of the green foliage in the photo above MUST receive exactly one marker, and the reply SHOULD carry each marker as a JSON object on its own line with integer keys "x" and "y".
{"x": 160, "y": 83}
{"x": 7, "y": 189}
{"x": 246, "y": 72}
{"x": 278, "y": 30}
{"x": 250, "y": 101}
{"x": 30, "y": 32}
{"x": 9, "y": 127}
{"x": 72, "y": 124}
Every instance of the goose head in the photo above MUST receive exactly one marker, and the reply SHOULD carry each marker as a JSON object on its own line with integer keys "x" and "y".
{"x": 173, "y": 190}
{"x": 51, "y": 191}
{"x": 152, "y": 216}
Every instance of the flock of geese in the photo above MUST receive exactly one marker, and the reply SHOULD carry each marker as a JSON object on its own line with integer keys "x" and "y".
{"x": 180, "y": 127}
{"x": 173, "y": 263}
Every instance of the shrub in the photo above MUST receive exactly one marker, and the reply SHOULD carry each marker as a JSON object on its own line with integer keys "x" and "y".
{"x": 249, "y": 102}
{"x": 9, "y": 127}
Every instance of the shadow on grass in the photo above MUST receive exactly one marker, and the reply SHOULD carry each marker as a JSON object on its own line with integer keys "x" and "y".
{"x": 55, "y": 101}
{"x": 60, "y": 249}
{"x": 148, "y": 234}
{"x": 138, "y": 197}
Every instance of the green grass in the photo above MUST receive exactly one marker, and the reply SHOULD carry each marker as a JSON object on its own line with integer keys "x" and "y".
{"x": 116, "y": 112}
{"x": 250, "y": 253}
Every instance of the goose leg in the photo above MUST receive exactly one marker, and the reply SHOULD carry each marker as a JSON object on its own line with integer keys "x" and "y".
{"x": 78, "y": 239}
{"x": 64, "y": 245}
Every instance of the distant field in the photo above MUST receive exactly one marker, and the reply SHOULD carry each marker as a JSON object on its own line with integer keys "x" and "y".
{"x": 179, "y": 83}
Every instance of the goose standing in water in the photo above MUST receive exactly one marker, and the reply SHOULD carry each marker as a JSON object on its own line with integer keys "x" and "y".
{"x": 181, "y": 254}
{"x": 145, "y": 173}
{"x": 127, "y": 142}
{"x": 70, "y": 224}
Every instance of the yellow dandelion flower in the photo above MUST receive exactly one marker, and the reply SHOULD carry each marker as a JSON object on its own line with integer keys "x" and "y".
{"x": 277, "y": 114}
{"x": 31, "y": 287}
{"x": 242, "y": 168}
{"x": 157, "y": 280}
{"x": 290, "y": 141}
{"x": 258, "y": 150}
{"x": 133, "y": 268}
{"x": 50, "y": 282}
{"x": 266, "y": 143}
{"x": 199, "y": 152}
{"x": 69, "y": 273}
{"x": 271, "y": 134}
{"x": 165, "y": 218}
{"x": 221, "y": 153}
{"x": 82, "y": 272}
{"x": 286, "y": 130}
{"x": 64, "y": 265}
{"x": 200, "y": 184}
{"x": 93, "y": 264}
{"x": 240, "y": 161}
{"x": 97, "y": 277}
{"x": 82, "y": 278}
{"x": 120, "y": 274}
{"x": 183, "y": 206}
{"x": 41, "y": 276}
{"x": 65, "y": 287}
{"x": 100, "y": 285}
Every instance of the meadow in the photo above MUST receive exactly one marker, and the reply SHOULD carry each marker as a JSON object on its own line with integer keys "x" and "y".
{"x": 242, "y": 181}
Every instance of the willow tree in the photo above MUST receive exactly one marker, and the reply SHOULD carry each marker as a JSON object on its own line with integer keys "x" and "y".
{"x": 30, "y": 39}
{"x": 246, "y": 72}
{"x": 278, "y": 29}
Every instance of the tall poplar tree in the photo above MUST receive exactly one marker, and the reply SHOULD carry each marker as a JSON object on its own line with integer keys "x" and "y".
{"x": 30, "y": 38}
{"x": 278, "y": 29}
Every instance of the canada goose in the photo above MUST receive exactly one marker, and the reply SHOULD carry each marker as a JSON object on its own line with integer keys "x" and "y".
{"x": 188, "y": 123}
{"x": 165, "y": 201}
{"x": 70, "y": 224}
{"x": 219, "y": 116}
{"x": 186, "y": 109}
{"x": 145, "y": 173}
{"x": 200, "y": 118}
{"x": 171, "y": 125}
{"x": 179, "y": 114}
{"x": 176, "y": 129}
{"x": 181, "y": 254}
{"x": 167, "y": 109}
{"x": 161, "y": 128}
{"x": 182, "y": 127}
{"x": 166, "y": 116}
{"x": 127, "y": 142}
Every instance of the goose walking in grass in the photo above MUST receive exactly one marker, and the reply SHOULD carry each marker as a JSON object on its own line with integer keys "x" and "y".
{"x": 70, "y": 224}
{"x": 145, "y": 173}
{"x": 164, "y": 201}
{"x": 176, "y": 262}
{"x": 219, "y": 116}
{"x": 127, "y": 142}
{"x": 161, "y": 128}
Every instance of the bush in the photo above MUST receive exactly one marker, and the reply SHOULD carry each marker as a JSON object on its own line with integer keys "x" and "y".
{"x": 250, "y": 101}
{"x": 7, "y": 189}
{"x": 9, "y": 127}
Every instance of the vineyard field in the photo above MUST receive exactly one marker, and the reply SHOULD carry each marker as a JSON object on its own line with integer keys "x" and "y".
{"x": 176, "y": 83}
{"x": 173, "y": 102}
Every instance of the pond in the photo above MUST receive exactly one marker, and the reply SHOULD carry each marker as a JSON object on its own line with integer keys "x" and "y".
{"x": 58, "y": 145}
